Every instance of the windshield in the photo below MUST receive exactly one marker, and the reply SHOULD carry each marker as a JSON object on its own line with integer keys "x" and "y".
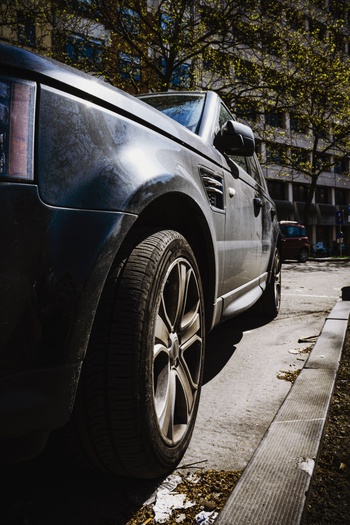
{"x": 184, "y": 108}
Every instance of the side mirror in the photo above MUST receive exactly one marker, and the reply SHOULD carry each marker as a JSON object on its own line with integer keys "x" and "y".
{"x": 235, "y": 138}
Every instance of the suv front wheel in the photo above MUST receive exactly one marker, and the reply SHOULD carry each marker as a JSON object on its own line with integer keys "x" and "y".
{"x": 139, "y": 392}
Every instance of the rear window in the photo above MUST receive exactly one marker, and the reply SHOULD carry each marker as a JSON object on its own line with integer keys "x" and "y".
{"x": 17, "y": 100}
{"x": 293, "y": 231}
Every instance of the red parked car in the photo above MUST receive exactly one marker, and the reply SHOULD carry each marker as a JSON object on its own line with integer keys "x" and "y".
{"x": 294, "y": 241}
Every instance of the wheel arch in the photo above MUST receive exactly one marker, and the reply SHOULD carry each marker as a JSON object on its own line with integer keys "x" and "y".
{"x": 174, "y": 211}
{"x": 179, "y": 212}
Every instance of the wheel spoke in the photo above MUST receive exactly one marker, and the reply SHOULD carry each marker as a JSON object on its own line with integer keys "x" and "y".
{"x": 165, "y": 402}
{"x": 190, "y": 323}
{"x": 175, "y": 403}
{"x": 184, "y": 273}
{"x": 161, "y": 331}
{"x": 172, "y": 296}
{"x": 188, "y": 389}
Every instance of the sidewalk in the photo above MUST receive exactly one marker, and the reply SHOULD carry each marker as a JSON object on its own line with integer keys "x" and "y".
{"x": 273, "y": 487}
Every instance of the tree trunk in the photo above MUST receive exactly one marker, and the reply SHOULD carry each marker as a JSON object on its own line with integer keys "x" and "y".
{"x": 309, "y": 197}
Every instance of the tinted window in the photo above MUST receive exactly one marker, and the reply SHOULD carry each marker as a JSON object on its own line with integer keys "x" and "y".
{"x": 224, "y": 116}
{"x": 255, "y": 171}
{"x": 292, "y": 231}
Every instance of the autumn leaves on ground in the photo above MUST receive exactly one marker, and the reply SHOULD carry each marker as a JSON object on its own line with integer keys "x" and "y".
{"x": 329, "y": 501}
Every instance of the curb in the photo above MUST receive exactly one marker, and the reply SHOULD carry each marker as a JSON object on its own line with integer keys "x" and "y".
{"x": 329, "y": 259}
{"x": 273, "y": 487}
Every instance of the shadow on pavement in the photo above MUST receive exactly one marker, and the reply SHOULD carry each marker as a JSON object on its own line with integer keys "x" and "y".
{"x": 221, "y": 342}
{"x": 46, "y": 491}
{"x": 49, "y": 491}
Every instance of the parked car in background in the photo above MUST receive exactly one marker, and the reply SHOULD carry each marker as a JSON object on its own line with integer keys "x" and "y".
{"x": 294, "y": 241}
{"x": 127, "y": 233}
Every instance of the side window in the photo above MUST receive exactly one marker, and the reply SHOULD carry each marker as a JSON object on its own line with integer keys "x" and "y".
{"x": 254, "y": 171}
{"x": 249, "y": 164}
{"x": 224, "y": 116}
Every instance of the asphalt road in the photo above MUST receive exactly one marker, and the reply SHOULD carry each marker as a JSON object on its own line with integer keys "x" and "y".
{"x": 242, "y": 392}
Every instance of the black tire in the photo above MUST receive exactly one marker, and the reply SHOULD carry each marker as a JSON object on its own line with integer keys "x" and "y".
{"x": 138, "y": 397}
{"x": 303, "y": 255}
{"x": 269, "y": 303}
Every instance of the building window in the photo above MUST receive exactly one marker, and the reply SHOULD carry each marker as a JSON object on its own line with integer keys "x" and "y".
{"x": 129, "y": 21}
{"x": 341, "y": 197}
{"x": 340, "y": 166}
{"x": 300, "y": 157}
{"x": 79, "y": 49}
{"x": 321, "y": 195}
{"x": 275, "y": 153}
{"x": 274, "y": 118}
{"x": 166, "y": 23}
{"x": 26, "y": 30}
{"x": 130, "y": 66}
{"x": 249, "y": 114}
{"x": 297, "y": 123}
{"x": 276, "y": 190}
{"x": 299, "y": 192}
{"x": 323, "y": 162}
{"x": 180, "y": 76}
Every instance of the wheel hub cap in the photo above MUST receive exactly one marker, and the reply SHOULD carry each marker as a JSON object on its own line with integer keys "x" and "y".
{"x": 174, "y": 350}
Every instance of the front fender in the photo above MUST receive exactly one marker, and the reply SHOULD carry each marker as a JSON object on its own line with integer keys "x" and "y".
{"x": 96, "y": 159}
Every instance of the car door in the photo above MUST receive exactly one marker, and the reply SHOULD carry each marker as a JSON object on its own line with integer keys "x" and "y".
{"x": 268, "y": 211}
{"x": 246, "y": 228}
{"x": 243, "y": 227}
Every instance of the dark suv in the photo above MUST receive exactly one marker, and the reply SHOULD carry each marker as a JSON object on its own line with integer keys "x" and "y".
{"x": 127, "y": 233}
{"x": 294, "y": 241}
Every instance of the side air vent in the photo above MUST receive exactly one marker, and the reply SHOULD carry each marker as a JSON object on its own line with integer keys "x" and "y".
{"x": 214, "y": 186}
